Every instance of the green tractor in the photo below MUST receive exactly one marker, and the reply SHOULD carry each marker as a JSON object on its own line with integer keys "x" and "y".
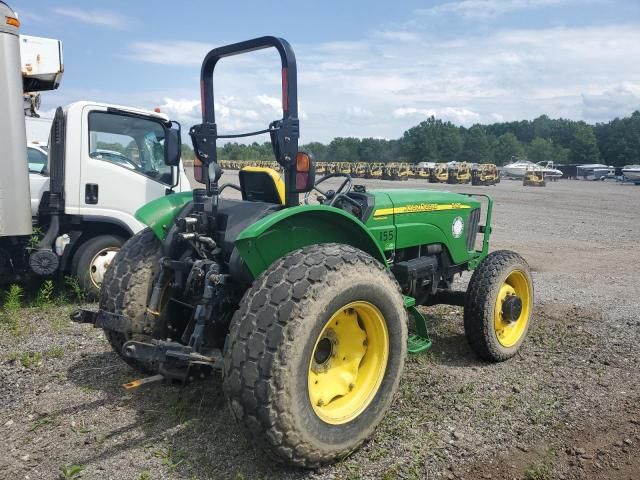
{"x": 303, "y": 307}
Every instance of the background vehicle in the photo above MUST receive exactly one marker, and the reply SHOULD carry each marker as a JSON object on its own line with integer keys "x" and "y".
{"x": 71, "y": 192}
{"x": 534, "y": 177}
{"x": 484, "y": 174}
{"x": 304, "y": 307}
{"x": 459, "y": 172}
{"x": 439, "y": 173}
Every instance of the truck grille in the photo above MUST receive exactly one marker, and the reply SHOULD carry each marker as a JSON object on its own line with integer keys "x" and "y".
{"x": 472, "y": 228}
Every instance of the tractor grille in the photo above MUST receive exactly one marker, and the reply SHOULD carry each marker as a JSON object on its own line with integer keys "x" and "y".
{"x": 472, "y": 228}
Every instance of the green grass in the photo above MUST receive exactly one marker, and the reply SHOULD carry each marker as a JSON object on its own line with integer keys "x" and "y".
{"x": 54, "y": 352}
{"x": 69, "y": 472}
{"x": 30, "y": 359}
{"x": 46, "y": 421}
{"x": 168, "y": 456}
{"x": 12, "y": 304}
{"x": 539, "y": 471}
{"x": 45, "y": 296}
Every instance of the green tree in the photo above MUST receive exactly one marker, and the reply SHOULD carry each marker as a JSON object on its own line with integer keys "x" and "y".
{"x": 619, "y": 140}
{"x": 506, "y": 147}
{"x": 584, "y": 146}
{"x": 476, "y": 146}
{"x": 432, "y": 141}
{"x": 540, "y": 150}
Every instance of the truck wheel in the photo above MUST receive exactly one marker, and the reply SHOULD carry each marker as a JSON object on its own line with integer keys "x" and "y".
{"x": 92, "y": 261}
{"x": 315, "y": 354}
{"x": 126, "y": 287}
{"x": 499, "y": 306}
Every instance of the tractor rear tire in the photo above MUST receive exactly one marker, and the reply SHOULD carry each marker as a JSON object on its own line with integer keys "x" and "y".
{"x": 492, "y": 334}
{"x": 285, "y": 338}
{"x": 126, "y": 287}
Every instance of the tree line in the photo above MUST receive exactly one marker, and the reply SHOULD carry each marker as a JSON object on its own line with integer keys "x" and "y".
{"x": 543, "y": 139}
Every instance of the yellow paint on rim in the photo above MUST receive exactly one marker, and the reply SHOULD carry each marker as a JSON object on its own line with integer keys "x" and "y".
{"x": 348, "y": 363}
{"x": 509, "y": 333}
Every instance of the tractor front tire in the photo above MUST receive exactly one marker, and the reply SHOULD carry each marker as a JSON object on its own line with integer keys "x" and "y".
{"x": 499, "y": 306}
{"x": 315, "y": 354}
{"x": 126, "y": 287}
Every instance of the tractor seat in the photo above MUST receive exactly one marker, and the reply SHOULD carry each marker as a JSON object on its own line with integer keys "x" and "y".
{"x": 261, "y": 184}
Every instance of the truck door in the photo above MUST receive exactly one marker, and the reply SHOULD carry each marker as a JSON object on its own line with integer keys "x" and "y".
{"x": 122, "y": 165}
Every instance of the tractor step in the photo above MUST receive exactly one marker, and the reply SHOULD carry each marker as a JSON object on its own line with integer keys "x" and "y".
{"x": 420, "y": 341}
{"x": 418, "y": 344}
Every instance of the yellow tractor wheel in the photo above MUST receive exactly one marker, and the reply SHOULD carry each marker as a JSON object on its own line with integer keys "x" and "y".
{"x": 315, "y": 354}
{"x": 499, "y": 306}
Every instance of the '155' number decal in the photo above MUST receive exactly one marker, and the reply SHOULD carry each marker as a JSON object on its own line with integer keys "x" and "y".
{"x": 386, "y": 235}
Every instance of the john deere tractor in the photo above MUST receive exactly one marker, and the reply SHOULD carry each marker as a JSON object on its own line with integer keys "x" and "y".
{"x": 303, "y": 306}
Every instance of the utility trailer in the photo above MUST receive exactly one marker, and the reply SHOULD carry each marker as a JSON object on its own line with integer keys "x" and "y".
{"x": 73, "y": 207}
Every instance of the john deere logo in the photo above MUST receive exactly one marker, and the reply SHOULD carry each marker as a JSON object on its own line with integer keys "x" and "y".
{"x": 457, "y": 227}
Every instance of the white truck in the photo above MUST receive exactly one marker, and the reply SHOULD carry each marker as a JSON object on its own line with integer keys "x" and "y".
{"x": 74, "y": 206}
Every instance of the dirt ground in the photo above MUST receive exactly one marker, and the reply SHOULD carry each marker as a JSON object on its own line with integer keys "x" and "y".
{"x": 566, "y": 407}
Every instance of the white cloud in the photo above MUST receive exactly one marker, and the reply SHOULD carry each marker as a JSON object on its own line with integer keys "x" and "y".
{"x": 412, "y": 112}
{"x": 178, "y": 53}
{"x": 620, "y": 100}
{"x": 400, "y": 35}
{"x": 459, "y": 116}
{"x": 359, "y": 112}
{"x": 479, "y": 9}
{"x": 273, "y": 102}
{"x": 368, "y": 88}
{"x": 94, "y": 17}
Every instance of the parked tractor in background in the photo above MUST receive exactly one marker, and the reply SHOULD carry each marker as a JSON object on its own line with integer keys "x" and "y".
{"x": 484, "y": 174}
{"x": 534, "y": 177}
{"x": 304, "y": 307}
{"x": 459, "y": 172}
{"x": 439, "y": 173}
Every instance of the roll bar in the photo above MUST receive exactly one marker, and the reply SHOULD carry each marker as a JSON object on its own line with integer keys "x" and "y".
{"x": 285, "y": 132}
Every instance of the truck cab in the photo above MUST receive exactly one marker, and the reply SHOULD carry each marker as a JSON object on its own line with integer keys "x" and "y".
{"x": 115, "y": 162}
{"x": 108, "y": 160}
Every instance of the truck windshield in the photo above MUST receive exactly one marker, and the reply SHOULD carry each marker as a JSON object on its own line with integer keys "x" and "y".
{"x": 130, "y": 142}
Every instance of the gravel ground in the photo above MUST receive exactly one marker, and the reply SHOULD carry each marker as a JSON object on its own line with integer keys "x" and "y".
{"x": 568, "y": 406}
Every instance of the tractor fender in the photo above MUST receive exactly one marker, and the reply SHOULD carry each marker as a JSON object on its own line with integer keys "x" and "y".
{"x": 159, "y": 214}
{"x": 275, "y": 235}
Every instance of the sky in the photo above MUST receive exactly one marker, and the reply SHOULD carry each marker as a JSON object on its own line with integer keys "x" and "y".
{"x": 365, "y": 68}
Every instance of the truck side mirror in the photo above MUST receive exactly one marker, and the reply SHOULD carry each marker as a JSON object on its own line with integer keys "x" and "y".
{"x": 305, "y": 172}
{"x": 172, "y": 144}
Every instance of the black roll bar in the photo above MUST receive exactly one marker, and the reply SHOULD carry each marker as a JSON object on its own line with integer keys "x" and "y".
{"x": 285, "y": 133}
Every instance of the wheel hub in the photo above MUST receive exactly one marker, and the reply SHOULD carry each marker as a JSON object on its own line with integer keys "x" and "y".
{"x": 511, "y": 308}
{"x": 100, "y": 263}
{"x": 348, "y": 363}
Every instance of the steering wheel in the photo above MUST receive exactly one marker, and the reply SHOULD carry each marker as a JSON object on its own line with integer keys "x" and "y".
{"x": 332, "y": 196}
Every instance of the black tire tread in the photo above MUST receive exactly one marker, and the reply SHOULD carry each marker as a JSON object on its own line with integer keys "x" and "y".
{"x": 478, "y": 309}
{"x": 126, "y": 286}
{"x": 257, "y": 348}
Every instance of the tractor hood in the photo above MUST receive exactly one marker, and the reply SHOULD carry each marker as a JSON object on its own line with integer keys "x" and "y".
{"x": 404, "y": 218}
{"x": 419, "y": 200}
